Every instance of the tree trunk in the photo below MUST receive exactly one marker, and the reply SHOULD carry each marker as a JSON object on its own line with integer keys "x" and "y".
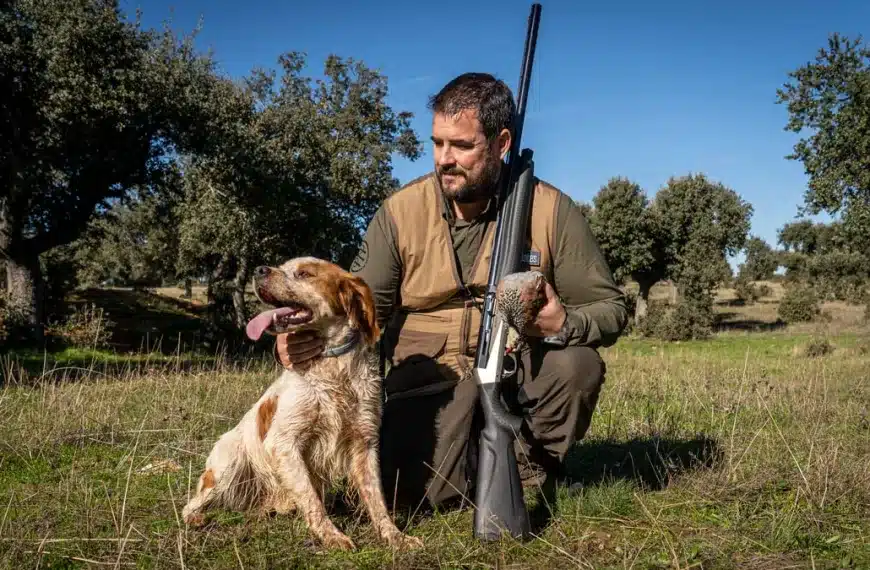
{"x": 24, "y": 283}
{"x": 215, "y": 275}
{"x": 188, "y": 288}
{"x": 239, "y": 283}
{"x": 23, "y": 280}
{"x": 642, "y": 304}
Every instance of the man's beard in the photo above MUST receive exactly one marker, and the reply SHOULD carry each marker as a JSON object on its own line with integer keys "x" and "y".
{"x": 481, "y": 189}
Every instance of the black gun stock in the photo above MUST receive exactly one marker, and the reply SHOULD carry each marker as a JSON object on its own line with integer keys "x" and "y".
{"x": 499, "y": 502}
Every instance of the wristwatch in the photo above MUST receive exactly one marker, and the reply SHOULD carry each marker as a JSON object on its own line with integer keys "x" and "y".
{"x": 559, "y": 339}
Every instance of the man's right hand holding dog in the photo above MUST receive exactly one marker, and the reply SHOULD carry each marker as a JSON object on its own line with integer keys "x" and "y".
{"x": 297, "y": 350}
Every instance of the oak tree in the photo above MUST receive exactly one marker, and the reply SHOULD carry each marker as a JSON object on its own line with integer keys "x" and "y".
{"x": 93, "y": 106}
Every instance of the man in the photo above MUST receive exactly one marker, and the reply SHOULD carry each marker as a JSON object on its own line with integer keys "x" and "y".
{"x": 426, "y": 257}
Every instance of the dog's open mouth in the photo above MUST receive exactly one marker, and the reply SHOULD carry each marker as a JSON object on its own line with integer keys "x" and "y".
{"x": 278, "y": 320}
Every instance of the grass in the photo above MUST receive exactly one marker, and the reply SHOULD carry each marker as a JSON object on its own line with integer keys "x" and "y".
{"x": 743, "y": 451}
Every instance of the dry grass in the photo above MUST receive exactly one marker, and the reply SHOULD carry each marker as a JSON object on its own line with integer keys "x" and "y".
{"x": 737, "y": 452}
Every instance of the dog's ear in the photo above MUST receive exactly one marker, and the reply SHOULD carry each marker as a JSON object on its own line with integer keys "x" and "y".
{"x": 359, "y": 304}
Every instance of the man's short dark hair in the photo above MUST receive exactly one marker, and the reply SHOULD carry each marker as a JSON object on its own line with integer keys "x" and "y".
{"x": 481, "y": 92}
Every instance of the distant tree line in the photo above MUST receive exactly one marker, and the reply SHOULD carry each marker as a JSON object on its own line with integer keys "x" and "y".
{"x": 128, "y": 158}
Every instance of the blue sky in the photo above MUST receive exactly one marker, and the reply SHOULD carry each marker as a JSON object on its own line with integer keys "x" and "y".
{"x": 645, "y": 90}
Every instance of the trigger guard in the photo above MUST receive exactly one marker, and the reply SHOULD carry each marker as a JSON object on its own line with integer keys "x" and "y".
{"x": 509, "y": 365}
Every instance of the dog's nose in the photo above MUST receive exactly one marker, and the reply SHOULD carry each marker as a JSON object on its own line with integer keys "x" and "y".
{"x": 261, "y": 271}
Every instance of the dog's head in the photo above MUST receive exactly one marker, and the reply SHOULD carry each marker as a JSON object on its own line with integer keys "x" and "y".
{"x": 311, "y": 293}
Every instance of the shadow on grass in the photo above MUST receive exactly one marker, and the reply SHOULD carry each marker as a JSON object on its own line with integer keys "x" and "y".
{"x": 148, "y": 333}
{"x": 70, "y": 366}
{"x": 144, "y": 321}
{"x": 650, "y": 462}
{"x": 732, "y": 321}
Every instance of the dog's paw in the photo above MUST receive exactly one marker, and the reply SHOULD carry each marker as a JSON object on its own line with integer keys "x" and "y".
{"x": 194, "y": 519}
{"x": 401, "y": 541}
{"x": 337, "y": 540}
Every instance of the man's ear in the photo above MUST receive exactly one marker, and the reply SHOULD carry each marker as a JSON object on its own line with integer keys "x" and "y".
{"x": 503, "y": 140}
{"x": 359, "y": 304}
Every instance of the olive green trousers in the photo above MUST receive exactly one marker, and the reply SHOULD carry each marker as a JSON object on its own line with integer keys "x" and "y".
{"x": 428, "y": 434}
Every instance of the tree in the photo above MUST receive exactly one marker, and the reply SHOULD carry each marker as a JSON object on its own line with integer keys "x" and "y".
{"x": 133, "y": 243}
{"x": 302, "y": 173}
{"x": 702, "y": 222}
{"x": 629, "y": 238}
{"x": 93, "y": 108}
{"x": 830, "y": 98}
{"x": 761, "y": 260}
{"x": 832, "y": 258}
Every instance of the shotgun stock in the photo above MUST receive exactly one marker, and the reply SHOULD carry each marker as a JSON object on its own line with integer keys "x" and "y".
{"x": 499, "y": 502}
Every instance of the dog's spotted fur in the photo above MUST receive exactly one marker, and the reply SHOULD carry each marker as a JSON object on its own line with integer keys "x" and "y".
{"x": 310, "y": 428}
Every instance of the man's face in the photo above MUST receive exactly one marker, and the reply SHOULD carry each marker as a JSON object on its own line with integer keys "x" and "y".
{"x": 466, "y": 164}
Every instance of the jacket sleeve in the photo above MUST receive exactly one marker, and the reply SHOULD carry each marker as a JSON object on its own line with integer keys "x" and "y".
{"x": 378, "y": 263}
{"x": 596, "y": 307}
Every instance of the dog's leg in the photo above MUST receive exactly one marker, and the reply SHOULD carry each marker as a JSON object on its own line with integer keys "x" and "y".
{"x": 365, "y": 475}
{"x": 298, "y": 483}
{"x": 192, "y": 513}
{"x": 220, "y": 463}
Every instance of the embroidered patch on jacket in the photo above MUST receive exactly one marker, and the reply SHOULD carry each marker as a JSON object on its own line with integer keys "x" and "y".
{"x": 532, "y": 257}
{"x": 362, "y": 257}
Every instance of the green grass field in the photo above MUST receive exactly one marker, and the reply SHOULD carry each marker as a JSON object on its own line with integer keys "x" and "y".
{"x": 737, "y": 452}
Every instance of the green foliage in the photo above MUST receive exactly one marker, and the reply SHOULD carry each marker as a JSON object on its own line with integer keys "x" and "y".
{"x": 128, "y": 145}
{"x": 301, "y": 173}
{"x": 86, "y": 327}
{"x": 829, "y": 257}
{"x": 810, "y": 238}
{"x": 828, "y": 97}
{"x": 838, "y": 275}
{"x": 702, "y": 222}
{"x": 132, "y": 243}
{"x": 745, "y": 290}
{"x": 97, "y": 107}
{"x": 818, "y": 347}
{"x": 799, "y": 304}
{"x": 626, "y": 232}
{"x": 687, "y": 320}
{"x": 761, "y": 260}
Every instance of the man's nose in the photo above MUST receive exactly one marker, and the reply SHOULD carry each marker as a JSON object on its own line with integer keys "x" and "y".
{"x": 444, "y": 156}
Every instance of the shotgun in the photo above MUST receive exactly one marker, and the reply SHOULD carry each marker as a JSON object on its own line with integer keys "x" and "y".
{"x": 499, "y": 502}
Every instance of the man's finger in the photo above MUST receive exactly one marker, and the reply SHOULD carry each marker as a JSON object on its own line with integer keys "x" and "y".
{"x": 303, "y": 347}
{"x": 308, "y": 354}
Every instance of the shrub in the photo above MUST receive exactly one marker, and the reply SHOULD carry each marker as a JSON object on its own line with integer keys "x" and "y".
{"x": 764, "y": 290}
{"x": 818, "y": 347}
{"x": 746, "y": 292}
{"x": 86, "y": 327}
{"x": 685, "y": 321}
{"x": 799, "y": 304}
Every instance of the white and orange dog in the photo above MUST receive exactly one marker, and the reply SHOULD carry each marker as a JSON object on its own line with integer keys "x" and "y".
{"x": 313, "y": 427}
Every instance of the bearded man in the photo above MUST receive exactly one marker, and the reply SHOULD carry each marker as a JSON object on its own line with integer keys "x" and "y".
{"x": 426, "y": 257}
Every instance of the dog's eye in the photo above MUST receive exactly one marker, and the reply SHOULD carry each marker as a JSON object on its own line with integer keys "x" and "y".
{"x": 302, "y": 274}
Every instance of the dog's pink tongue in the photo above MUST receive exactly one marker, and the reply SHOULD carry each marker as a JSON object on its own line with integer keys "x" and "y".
{"x": 261, "y": 322}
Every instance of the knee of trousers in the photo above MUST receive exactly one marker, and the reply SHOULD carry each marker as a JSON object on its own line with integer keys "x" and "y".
{"x": 577, "y": 369}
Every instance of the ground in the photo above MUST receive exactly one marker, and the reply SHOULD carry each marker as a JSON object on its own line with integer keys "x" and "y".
{"x": 742, "y": 451}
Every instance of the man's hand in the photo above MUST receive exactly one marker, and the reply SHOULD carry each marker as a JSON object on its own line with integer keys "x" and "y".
{"x": 296, "y": 350}
{"x": 551, "y": 316}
